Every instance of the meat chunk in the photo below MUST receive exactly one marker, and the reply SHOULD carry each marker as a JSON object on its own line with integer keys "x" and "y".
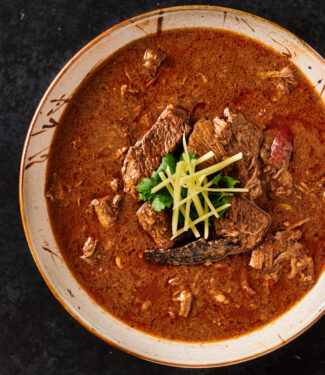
{"x": 291, "y": 250}
{"x": 282, "y": 183}
{"x": 89, "y": 248}
{"x": 153, "y": 58}
{"x": 226, "y": 137}
{"x": 204, "y": 139}
{"x": 146, "y": 155}
{"x": 115, "y": 184}
{"x": 287, "y": 237}
{"x": 283, "y": 81}
{"x": 258, "y": 256}
{"x": 283, "y": 248}
{"x": 185, "y": 299}
{"x": 263, "y": 257}
{"x": 157, "y": 224}
{"x": 246, "y": 138}
{"x": 285, "y": 74}
{"x": 304, "y": 266}
{"x": 106, "y": 209}
{"x": 241, "y": 228}
{"x": 244, "y": 223}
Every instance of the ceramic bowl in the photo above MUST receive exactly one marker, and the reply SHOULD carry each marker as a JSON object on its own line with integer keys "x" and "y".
{"x": 36, "y": 220}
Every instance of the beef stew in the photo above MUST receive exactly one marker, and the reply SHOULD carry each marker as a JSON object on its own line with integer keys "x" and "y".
{"x": 227, "y": 94}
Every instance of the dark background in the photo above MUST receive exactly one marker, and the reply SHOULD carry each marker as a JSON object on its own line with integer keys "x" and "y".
{"x": 37, "y": 336}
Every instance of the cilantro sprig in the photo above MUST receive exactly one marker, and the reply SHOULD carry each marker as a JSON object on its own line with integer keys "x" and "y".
{"x": 162, "y": 199}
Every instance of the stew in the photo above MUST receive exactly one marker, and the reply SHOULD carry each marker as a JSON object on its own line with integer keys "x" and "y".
{"x": 213, "y": 92}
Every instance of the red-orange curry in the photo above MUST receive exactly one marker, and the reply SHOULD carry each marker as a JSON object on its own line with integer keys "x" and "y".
{"x": 209, "y": 80}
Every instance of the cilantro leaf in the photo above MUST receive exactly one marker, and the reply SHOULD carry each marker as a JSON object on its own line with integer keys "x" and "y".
{"x": 228, "y": 182}
{"x": 224, "y": 181}
{"x": 157, "y": 204}
{"x": 162, "y": 198}
{"x": 216, "y": 179}
{"x": 165, "y": 197}
{"x": 169, "y": 160}
{"x": 144, "y": 188}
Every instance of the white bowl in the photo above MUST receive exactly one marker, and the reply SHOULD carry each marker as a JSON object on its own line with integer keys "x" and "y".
{"x": 34, "y": 210}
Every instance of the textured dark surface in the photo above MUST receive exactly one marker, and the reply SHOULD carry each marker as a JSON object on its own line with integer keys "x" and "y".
{"x": 37, "y": 336}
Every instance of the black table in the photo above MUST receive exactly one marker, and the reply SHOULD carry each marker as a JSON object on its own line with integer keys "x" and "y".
{"x": 37, "y": 336}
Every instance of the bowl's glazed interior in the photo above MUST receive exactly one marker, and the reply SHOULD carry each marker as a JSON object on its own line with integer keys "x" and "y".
{"x": 34, "y": 209}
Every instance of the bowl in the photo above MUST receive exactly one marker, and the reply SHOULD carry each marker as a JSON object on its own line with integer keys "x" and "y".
{"x": 34, "y": 209}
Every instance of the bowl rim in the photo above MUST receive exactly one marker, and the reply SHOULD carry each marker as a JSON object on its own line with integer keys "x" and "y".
{"x": 26, "y": 144}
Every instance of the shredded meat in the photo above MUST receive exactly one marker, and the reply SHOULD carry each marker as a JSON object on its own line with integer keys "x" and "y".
{"x": 220, "y": 298}
{"x": 277, "y": 251}
{"x": 128, "y": 89}
{"x": 257, "y": 258}
{"x": 56, "y": 191}
{"x": 244, "y": 282}
{"x": 286, "y": 74}
{"x": 185, "y": 299}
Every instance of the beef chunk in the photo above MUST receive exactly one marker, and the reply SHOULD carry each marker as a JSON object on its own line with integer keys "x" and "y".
{"x": 153, "y": 58}
{"x": 116, "y": 185}
{"x": 284, "y": 247}
{"x": 204, "y": 139}
{"x": 157, "y": 224}
{"x": 146, "y": 155}
{"x": 262, "y": 256}
{"x": 246, "y": 138}
{"x": 243, "y": 223}
{"x": 258, "y": 256}
{"x": 106, "y": 209}
{"x": 89, "y": 248}
{"x": 226, "y": 138}
{"x": 283, "y": 79}
{"x": 286, "y": 74}
{"x": 240, "y": 229}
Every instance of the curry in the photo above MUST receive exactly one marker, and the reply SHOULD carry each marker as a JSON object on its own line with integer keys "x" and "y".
{"x": 188, "y": 93}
